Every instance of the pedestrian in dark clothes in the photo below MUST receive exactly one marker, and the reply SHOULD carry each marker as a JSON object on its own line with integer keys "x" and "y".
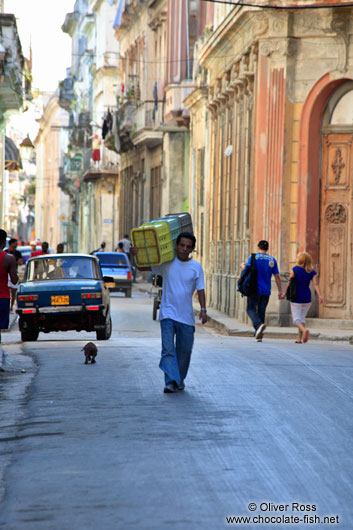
{"x": 7, "y": 268}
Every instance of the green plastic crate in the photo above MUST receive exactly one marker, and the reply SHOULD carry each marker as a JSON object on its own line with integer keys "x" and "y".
{"x": 154, "y": 244}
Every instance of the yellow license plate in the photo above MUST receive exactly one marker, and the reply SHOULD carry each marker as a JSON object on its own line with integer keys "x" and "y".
{"x": 60, "y": 300}
{"x": 110, "y": 284}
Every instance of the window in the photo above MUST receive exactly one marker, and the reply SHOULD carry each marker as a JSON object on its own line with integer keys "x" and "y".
{"x": 343, "y": 111}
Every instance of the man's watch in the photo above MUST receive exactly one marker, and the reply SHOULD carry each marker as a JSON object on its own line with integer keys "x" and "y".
{"x": 203, "y": 309}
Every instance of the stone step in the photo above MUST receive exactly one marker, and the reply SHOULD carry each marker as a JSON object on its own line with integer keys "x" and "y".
{"x": 328, "y": 323}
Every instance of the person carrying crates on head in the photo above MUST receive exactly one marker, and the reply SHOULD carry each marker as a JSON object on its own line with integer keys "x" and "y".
{"x": 181, "y": 277}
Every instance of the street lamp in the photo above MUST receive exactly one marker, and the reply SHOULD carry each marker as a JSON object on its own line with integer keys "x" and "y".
{"x": 26, "y": 148}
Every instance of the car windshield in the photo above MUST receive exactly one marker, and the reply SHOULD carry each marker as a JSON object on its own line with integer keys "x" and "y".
{"x": 62, "y": 268}
{"x": 113, "y": 260}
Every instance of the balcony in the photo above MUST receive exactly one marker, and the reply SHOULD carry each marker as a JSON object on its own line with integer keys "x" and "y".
{"x": 138, "y": 124}
{"x": 147, "y": 119}
{"x": 11, "y": 65}
{"x": 70, "y": 23}
{"x": 175, "y": 95}
{"x": 128, "y": 12}
{"x": 66, "y": 93}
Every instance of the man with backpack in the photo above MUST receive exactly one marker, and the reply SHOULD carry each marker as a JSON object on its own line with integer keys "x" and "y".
{"x": 257, "y": 301}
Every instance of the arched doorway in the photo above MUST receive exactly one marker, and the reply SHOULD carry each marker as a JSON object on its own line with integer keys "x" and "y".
{"x": 336, "y": 205}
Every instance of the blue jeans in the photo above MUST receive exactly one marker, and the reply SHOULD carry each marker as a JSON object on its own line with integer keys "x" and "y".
{"x": 177, "y": 342}
{"x": 256, "y": 309}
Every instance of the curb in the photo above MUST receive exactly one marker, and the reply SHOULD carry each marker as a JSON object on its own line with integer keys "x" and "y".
{"x": 244, "y": 331}
{"x": 271, "y": 334}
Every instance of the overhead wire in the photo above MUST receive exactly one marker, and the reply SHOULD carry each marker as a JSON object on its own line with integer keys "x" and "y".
{"x": 276, "y": 6}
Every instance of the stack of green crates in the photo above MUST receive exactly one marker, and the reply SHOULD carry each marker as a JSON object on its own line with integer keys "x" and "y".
{"x": 156, "y": 240}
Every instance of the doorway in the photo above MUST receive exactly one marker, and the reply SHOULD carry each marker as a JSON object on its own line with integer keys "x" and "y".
{"x": 336, "y": 205}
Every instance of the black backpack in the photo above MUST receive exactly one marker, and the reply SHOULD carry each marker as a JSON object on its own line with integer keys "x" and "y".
{"x": 247, "y": 283}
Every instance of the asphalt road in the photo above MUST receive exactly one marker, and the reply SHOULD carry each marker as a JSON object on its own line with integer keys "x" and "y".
{"x": 101, "y": 447}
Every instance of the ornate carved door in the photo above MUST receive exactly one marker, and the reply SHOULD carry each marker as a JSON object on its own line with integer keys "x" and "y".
{"x": 335, "y": 226}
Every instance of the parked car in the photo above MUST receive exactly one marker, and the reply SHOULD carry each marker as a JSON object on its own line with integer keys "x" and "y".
{"x": 116, "y": 265}
{"x": 62, "y": 292}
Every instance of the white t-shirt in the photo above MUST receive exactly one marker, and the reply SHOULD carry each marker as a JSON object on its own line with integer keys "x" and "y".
{"x": 180, "y": 279}
{"x": 126, "y": 244}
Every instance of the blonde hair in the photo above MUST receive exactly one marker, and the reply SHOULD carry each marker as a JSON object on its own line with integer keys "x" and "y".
{"x": 304, "y": 260}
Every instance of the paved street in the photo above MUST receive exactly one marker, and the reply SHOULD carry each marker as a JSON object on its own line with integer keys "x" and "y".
{"x": 101, "y": 447}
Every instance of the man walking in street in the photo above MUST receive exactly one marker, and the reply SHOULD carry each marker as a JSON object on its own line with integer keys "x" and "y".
{"x": 181, "y": 277}
{"x": 266, "y": 265}
{"x": 7, "y": 268}
{"x": 125, "y": 241}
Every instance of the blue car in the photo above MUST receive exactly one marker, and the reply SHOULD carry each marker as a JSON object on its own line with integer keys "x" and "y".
{"x": 116, "y": 265}
{"x": 62, "y": 292}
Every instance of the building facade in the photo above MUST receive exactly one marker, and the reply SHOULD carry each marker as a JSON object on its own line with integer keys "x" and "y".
{"x": 156, "y": 46}
{"x": 100, "y": 186}
{"x": 274, "y": 92}
{"x": 11, "y": 89}
{"x": 90, "y": 172}
{"x": 52, "y": 208}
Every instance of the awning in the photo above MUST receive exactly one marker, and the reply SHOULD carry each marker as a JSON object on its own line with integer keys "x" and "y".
{"x": 12, "y": 155}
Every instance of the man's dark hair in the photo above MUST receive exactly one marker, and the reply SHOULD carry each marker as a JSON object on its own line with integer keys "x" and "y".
{"x": 3, "y": 236}
{"x": 126, "y": 236}
{"x": 187, "y": 235}
{"x": 45, "y": 245}
{"x": 12, "y": 240}
{"x": 263, "y": 245}
{"x": 103, "y": 244}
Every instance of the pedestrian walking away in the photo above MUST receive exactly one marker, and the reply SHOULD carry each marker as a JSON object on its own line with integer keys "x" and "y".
{"x": 266, "y": 266}
{"x": 181, "y": 277}
{"x": 7, "y": 269}
{"x": 303, "y": 273}
{"x": 125, "y": 241}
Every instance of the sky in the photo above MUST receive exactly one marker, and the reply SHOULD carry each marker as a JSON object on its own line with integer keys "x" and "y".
{"x": 39, "y": 22}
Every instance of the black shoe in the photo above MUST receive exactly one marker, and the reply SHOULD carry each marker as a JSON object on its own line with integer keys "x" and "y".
{"x": 181, "y": 386}
{"x": 170, "y": 388}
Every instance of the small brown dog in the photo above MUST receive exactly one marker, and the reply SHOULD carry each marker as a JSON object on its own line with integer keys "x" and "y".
{"x": 91, "y": 351}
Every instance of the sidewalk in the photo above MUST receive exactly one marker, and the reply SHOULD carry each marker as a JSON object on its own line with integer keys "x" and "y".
{"x": 231, "y": 326}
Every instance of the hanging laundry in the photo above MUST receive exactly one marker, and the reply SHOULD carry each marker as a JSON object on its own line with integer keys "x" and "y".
{"x": 105, "y": 129}
{"x": 155, "y": 96}
{"x": 96, "y": 143}
{"x": 115, "y": 131}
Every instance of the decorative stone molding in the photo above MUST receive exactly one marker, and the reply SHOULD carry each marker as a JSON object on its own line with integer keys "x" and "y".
{"x": 340, "y": 25}
{"x": 158, "y": 20}
{"x": 260, "y": 25}
{"x": 279, "y": 47}
{"x": 336, "y": 213}
{"x": 237, "y": 82}
{"x": 278, "y": 26}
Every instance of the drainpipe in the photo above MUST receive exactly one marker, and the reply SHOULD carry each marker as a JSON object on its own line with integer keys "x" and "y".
{"x": 113, "y": 216}
{"x": 187, "y": 42}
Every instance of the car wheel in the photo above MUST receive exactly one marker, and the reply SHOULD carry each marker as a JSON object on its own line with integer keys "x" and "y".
{"x": 29, "y": 335}
{"x": 155, "y": 308}
{"x": 128, "y": 293}
{"x": 104, "y": 334}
